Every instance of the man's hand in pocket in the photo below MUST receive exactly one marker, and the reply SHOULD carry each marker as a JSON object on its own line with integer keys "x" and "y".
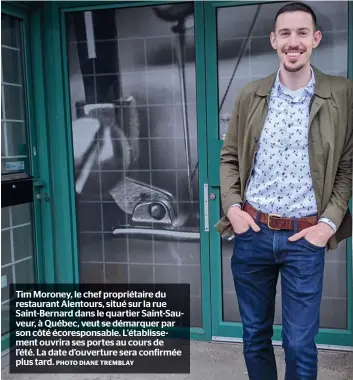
{"x": 241, "y": 221}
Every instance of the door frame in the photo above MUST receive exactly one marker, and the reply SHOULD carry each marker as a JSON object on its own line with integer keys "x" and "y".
{"x": 221, "y": 329}
{"x": 59, "y": 114}
{"x": 38, "y": 150}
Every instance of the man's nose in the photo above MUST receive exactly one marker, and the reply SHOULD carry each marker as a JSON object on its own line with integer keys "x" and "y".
{"x": 293, "y": 40}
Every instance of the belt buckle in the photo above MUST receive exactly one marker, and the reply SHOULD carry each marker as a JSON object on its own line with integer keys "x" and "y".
{"x": 269, "y": 216}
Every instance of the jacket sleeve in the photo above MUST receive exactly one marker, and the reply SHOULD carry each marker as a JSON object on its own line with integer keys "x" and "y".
{"x": 342, "y": 188}
{"x": 229, "y": 163}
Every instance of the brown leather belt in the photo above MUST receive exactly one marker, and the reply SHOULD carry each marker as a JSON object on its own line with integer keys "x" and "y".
{"x": 276, "y": 222}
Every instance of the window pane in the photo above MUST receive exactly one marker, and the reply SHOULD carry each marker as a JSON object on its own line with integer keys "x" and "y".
{"x": 17, "y": 227}
{"x": 14, "y": 126}
{"x": 137, "y": 195}
{"x": 244, "y": 57}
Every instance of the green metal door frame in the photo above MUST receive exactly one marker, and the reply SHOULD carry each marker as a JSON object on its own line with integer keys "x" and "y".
{"x": 219, "y": 327}
{"x": 38, "y": 144}
{"x": 59, "y": 118}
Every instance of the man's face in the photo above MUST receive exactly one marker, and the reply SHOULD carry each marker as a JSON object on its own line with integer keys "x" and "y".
{"x": 294, "y": 39}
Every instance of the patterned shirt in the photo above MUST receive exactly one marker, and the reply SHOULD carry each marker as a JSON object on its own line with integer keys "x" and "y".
{"x": 281, "y": 182}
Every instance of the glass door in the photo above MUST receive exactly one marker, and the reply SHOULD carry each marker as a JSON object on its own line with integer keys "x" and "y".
{"x": 134, "y": 79}
{"x": 238, "y": 51}
{"x": 22, "y": 198}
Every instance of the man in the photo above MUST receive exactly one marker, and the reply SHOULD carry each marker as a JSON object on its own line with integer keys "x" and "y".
{"x": 286, "y": 180}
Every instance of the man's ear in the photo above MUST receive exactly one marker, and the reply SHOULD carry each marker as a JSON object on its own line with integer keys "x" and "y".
{"x": 317, "y": 39}
{"x": 273, "y": 40}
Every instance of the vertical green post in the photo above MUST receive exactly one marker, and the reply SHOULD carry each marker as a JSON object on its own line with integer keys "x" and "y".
{"x": 349, "y": 241}
{"x": 47, "y": 232}
{"x": 64, "y": 220}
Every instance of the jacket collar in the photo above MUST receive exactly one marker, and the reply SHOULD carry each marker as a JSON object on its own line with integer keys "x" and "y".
{"x": 322, "y": 84}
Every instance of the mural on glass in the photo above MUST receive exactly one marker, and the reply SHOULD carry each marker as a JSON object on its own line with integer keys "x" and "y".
{"x": 133, "y": 107}
{"x": 244, "y": 55}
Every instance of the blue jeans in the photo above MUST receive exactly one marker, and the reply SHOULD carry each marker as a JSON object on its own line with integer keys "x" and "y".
{"x": 258, "y": 259}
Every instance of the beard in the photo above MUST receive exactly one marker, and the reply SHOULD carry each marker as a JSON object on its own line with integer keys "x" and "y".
{"x": 293, "y": 68}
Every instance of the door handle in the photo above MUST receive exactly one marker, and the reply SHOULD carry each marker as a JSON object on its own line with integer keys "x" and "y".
{"x": 38, "y": 184}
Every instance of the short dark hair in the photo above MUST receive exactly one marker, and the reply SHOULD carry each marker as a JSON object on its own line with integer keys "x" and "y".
{"x": 293, "y": 7}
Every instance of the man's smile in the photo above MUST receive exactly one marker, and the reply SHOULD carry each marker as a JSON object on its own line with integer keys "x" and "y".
{"x": 293, "y": 55}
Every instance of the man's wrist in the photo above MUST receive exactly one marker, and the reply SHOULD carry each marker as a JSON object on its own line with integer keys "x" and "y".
{"x": 239, "y": 205}
{"x": 235, "y": 205}
{"x": 328, "y": 222}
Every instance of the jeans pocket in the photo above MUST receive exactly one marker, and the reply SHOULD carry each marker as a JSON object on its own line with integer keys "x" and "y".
{"x": 311, "y": 245}
{"x": 243, "y": 234}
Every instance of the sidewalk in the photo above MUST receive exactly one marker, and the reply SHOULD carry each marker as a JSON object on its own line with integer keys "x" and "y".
{"x": 216, "y": 361}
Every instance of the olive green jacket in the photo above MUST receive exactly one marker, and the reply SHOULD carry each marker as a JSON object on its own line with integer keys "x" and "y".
{"x": 330, "y": 148}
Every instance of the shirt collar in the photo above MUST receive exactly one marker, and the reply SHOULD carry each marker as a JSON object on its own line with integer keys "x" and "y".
{"x": 308, "y": 89}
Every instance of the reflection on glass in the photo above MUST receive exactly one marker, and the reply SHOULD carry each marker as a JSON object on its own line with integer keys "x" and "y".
{"x": 13, "y": 118}
{"x": 17, "y": 253}
{"x": 133, "y": 106}
{"x": 17, "y": 243}
{"x": 244, "y": 55}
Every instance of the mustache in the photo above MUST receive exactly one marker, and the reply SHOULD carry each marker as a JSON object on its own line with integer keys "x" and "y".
{"x": 288, "y": 50}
